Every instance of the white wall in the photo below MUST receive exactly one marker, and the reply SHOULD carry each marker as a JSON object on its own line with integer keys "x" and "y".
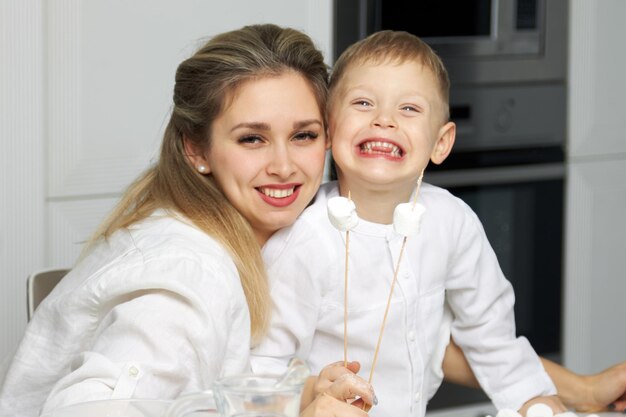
{"x": 596, "y": 192}
{"x": 85, "y": 92}
{"x": 22, "y": 160}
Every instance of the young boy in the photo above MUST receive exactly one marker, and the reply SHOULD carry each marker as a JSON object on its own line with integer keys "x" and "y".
{"x": 388, "y": 116}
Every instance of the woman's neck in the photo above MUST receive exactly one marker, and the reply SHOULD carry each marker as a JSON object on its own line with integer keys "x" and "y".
{"x": 262, "y": 237}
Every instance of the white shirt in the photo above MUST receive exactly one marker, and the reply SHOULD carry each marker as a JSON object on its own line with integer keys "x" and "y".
{"x": 155, "y": 312}
{"x": 450, "y": 261}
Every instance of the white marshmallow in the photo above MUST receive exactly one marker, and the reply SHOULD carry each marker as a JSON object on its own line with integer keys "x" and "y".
{"x": 539, "y": 410}
{"x": 342, "y": 213}
{"x": 508, "y": 413}
{"x": 407, "y": 218}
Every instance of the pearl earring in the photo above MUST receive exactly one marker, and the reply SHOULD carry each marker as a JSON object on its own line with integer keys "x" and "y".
{"x": 202, "y": 169}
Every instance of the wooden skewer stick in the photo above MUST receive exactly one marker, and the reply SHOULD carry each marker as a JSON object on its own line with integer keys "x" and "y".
{"x": 417, "y": 187}
{"x": 382, "y": 327}
{"x": 345, "y": 299}
{"x": 393, "y": 284}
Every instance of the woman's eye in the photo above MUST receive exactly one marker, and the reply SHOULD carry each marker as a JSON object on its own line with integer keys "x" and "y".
{"x": 305, "y": 135}
{"x": 250, "y": 139}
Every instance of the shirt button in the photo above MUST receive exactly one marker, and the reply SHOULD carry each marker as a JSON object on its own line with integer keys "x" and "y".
{"x": 133, "y": 371}
{"x": 418, "y": 396}
{"x": 411, "y": 335}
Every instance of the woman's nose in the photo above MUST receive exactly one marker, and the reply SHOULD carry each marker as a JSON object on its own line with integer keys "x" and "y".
{"x": 281, "y": 162}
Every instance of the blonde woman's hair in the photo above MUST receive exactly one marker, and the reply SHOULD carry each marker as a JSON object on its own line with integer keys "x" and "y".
{"x": 203, "y": 84}
{"x": 396, "y": 47}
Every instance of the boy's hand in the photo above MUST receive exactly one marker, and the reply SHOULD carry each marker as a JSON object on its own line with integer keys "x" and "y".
{"x": 340, "y": 382}
{"x": 335, "y": 400}
{"x": 553, "y": 401}
{"x": 332, "y": 372}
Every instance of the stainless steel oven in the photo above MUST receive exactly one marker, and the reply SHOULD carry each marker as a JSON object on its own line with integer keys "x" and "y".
{"x": 480, "y": 41}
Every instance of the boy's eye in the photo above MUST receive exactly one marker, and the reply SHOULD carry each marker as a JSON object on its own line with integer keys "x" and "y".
{"x": 306, "y": 135}
{"x": 410, "y": 108}
{"x": 362, "y": 103}
{"x": 252, "y": 139}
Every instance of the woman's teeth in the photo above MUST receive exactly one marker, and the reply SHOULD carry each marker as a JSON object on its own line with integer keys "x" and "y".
{"x": 277, "y": 193}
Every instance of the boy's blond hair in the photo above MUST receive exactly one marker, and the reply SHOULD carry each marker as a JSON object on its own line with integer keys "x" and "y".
{"x": 396, "y": 47}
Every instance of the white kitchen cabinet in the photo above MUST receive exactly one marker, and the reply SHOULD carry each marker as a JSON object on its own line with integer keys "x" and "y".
{"x": 595, "y": 265}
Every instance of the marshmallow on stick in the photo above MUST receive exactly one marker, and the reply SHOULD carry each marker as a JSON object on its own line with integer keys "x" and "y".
{"x": 407, "y": 218}
{"x": 342, "y": 213}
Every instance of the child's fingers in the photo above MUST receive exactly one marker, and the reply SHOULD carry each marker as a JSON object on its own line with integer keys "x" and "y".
{"x": 336, "y": 370}
{"x": 350, "y": 387}
{"x": 328, "y": 406}
{"x": 333, "y": 372}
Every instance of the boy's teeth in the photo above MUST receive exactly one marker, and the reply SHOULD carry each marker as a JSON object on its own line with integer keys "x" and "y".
{"x": 277, "y": 193}
{"x": 388, "y": 148}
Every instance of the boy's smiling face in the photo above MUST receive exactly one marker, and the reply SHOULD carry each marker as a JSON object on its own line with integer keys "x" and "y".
{"x": 385, "y": 122}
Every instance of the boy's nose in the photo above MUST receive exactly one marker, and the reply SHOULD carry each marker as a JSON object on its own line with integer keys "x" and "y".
{"x": 383, "y": 119}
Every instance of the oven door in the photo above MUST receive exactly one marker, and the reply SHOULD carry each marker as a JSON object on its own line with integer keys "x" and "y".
{"x": 521, "y": 209}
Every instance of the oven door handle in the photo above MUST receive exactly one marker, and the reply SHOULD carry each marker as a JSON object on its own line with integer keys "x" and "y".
{"x": 496, "y": 175}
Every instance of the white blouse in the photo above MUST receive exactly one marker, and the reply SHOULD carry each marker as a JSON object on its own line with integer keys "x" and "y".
{"x": 154, "y": 312}
{"x": 449, "y": 264}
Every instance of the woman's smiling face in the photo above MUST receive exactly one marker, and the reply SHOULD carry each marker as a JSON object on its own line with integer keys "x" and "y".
{"x": 267, "y": 150}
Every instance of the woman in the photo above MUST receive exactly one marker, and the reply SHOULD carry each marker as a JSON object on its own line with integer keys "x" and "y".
{"x": 172, "y": 291}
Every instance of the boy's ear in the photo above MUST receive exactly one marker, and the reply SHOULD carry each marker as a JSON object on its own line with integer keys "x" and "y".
{"x": 445, "y": 141}
{"x": 195, "y": 156}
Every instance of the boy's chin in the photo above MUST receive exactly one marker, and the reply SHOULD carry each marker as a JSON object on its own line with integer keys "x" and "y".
{"x": 382, "y": 182}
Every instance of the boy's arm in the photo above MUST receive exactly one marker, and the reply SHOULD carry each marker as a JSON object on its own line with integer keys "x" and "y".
{"x": 581, "y": 392}
{"x": 457, "y": 370}
{"x": 482, "y": 302}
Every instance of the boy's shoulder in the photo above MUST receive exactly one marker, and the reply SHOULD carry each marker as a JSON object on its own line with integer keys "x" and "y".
{"x": 434, "y": 195}
{"x": 444, "y": 208}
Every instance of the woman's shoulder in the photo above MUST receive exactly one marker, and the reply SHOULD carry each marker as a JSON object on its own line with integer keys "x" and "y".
{"x": 166, "y": 235}
{"x": 161, "y": 252}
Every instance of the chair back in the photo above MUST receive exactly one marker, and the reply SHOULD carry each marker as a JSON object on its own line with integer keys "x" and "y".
{"x": 39, "y": 285}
